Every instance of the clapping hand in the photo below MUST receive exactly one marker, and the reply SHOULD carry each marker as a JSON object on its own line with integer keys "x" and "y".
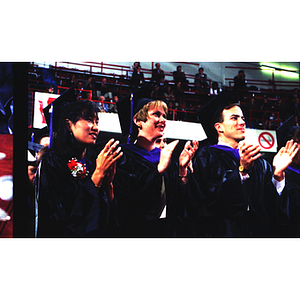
{"x": 248, "y": 154}
{"x": 283, "y": 159}
{"x": 186, "y": 156}
{"x": 109, "y": 154}
{"x": 165, "y": 156}
{"x": 105, "y": 162}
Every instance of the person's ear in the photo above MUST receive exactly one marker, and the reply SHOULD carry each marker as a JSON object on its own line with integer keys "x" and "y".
{"x": 68, "y": 124}
{"x": 138, "y": 123}
{"x": 219, "y": 127}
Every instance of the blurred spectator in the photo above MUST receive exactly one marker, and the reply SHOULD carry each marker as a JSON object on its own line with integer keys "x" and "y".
{"x": 39, "y": 77}
{"x": 251, "y": 113}
{"x": 160, "y": 143}
{"x": 50, "y": 89}
{"x": 296, "y": 107}
{"x": 179, "y": 76}
{"x": 266, "y": 105}
{"x": 105, "y": 90}
{"x": 113, "y": 107}
{"x": 79, "y": 90}
{"x": 103, "y": 106}
{"x": 240, "y": 86}
{"x": 172, "y": 114}
{"x": 163, "y": 85}
{"x": 108, "y": 104}
{"x": 268, "y": 114}
{"x": 295, "y": 93}
{"x": 89, "y": 88}
{"x": 178, "y": 92}
{"x": 169, "y": 94}
{"x": 215, "y": 90}
{"x": 133, "y": 68}
{"x": 272, "y": 122}
{"x": 157, "y": 74}
{"x": 280, "y": 104}
{"x": 196, "y": 107}
{"x": 182, "y": 112}
{"x": 137, "y": 78}
{"x": 72, "y": 81}
{"x": 156, "y": 92}
{"x": 200, "y": 82}
{"x": 281, "y": 107}
{"x": 193, "y": 108}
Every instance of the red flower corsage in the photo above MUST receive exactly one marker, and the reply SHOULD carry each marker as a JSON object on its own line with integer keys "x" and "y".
{"x": 77, "y": 168}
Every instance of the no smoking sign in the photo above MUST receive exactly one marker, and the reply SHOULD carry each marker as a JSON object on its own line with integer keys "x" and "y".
{"x": 266, "y": 140}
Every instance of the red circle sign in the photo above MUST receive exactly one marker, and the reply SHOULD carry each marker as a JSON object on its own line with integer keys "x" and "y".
{"x": 266, "y": 140}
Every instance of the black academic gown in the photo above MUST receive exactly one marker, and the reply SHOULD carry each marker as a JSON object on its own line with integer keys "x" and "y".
{"x": 138, "y": 193}
{"x": 68, "y": 206}
{"x": 290, "y": 218}
{"x": 220, "y": 205}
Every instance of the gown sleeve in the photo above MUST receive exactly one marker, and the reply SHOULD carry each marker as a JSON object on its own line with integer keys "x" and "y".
{"x": 290, "y": 205}
{"x": 215, "y": 185}
{"x": 215, "y": 191}
{"x": 67, "y": 205}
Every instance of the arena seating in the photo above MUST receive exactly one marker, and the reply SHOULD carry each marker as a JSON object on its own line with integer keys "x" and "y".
{"x": 118, "y": 78}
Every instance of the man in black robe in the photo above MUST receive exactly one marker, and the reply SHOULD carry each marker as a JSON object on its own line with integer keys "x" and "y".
{"x": 290, "y": 221}
{"x": 291, "y": 225}
{"x": 232, "y": 191}
{"x": 147, "y": 179}
{"x": 140, "y": 191}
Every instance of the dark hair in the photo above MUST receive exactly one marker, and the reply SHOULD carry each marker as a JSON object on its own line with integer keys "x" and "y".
{"x": 215, "y": 85}
{"x": 219, "y": 118}
{"x": 64, "y": 143}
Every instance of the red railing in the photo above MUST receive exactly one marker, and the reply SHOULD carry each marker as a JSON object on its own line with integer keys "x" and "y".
{"x": 265, "y": 117}
{"x": 114, "y": 103}
{"x": 270, "y": 82}
{"x": 120, "y": 68}
{"x": 114, "y": 72}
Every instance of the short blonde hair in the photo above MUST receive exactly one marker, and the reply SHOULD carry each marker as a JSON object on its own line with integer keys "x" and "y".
{"x": 142, "y": 114}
